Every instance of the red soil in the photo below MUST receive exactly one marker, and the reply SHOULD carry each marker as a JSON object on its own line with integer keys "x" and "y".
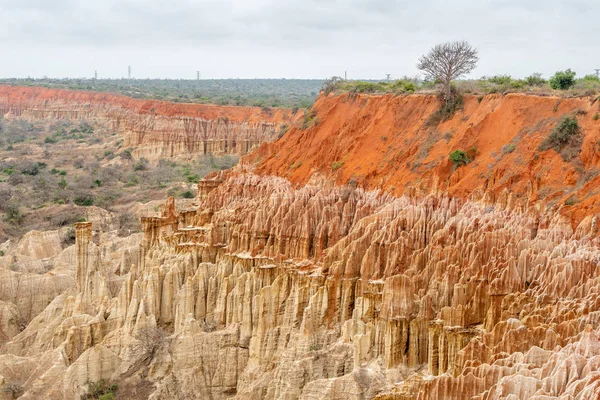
{"x": 382, "y": 142}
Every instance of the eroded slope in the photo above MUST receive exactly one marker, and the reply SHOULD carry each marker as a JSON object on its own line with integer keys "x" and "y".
{"x": 307, "y": 281}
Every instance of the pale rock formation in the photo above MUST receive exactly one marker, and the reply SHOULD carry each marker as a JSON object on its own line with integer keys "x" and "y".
{"x": 267, "y": 291}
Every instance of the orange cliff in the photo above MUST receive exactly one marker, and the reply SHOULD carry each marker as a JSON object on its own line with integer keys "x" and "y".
{"x": 384, "y": 142}
{"x": 156, "y": 129}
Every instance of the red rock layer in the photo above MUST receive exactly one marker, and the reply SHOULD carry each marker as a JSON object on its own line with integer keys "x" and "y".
{"x": 383, "y": 142}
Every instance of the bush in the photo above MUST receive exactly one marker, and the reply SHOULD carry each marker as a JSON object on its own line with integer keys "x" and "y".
{"x": 459, "y": 158}
{"x": 310, "y": 120}
{"x": 337, "y": 165}
{"x": 509, "y": 148}
{"x": 535, "y": 79}
{"x": 565, "y": 138}
{"x": 100, "y": 390}
{"x": 31, "y": 169}
{"x": 447, "y": 109}
{"x": 141, "y": 165}
{"x": 365, "y": 87}
{"x": 283, "y": 130}
{"x": 14, "y": 390}
{"x": 84, "y": 200}
{"x": 69, "y": 238}
{"x": 330, "y": 85}
{"x": 561, "y": 134}
{"x": 563, "y": 80}
{"x": 12, "y": 213}
{"x": 128, "y": 224}
{"x": 126, "y": 154}
{"x": 188, "y": 194}
{"x": 591, "y": 78}
{"x": 500, "y": 79}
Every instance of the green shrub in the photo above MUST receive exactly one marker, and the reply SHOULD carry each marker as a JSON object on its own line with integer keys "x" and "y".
{"x": 365, "y": 87}
{"x": 100, "y": 390}
{"x": 563, "y": 80}
{"x": 283, "y": 130}
{"x": 50, "y": 140}
{"x": 330, "y": 85}
{"x": 535, "y": 79}
{"x": 500, "y": 79}
{"x": 126, "y": 154}
{"x": 410, "y": 87}
{"x": 509, "y": 148}
{"x": 337, "y": 165}
{"x": 1, "y": 253}
{"x": 561, "y": 134}
{"x": 596, "y": 117}
{"x": 565, "y": 138}
{"x": 141, "y": 165}
{"x": 12, "y": 213}
{"x": 192, "y": 178}
{"x": 591, "y": 78}
{"x": 188, "y": 194}
{"x": 459, "y": 158}
{"x": 447, "y": 108}
{"x": 84, "y": 200}
{"x": 310, "y": 120}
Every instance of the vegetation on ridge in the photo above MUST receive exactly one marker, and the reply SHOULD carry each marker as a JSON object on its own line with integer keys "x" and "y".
{"x": 565, "y": 138}
{"x": 50, "y": 184}
{"x": 298, "y": 93}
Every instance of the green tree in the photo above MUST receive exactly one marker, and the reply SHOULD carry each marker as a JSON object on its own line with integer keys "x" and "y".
{"x": 563, "y": 80}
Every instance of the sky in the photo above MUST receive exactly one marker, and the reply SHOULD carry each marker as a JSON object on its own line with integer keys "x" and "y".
{"x": 290, "y": 38}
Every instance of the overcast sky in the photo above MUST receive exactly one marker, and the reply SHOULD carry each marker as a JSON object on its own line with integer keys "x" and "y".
{"x": 290, "y": 38}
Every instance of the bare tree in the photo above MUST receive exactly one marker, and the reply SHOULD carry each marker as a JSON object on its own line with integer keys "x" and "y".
{"x": 150, "y": 340}
{"x": 448, "y": 61}
{"x": 331, "y": 84}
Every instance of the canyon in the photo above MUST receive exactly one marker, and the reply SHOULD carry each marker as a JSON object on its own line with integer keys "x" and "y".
{"x": 349, "y": 259}
{"x": 154, "y": 129}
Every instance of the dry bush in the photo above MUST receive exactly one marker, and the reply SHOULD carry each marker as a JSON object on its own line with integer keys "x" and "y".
{"x": 150, "y": 340}
{"x": 565, "y": 138}
{"x": 14, "y": 390}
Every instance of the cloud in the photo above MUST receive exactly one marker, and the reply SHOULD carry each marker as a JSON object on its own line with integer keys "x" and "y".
{"x": 286, "y": 37}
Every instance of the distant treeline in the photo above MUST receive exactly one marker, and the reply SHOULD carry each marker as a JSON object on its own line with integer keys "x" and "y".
{"x": 300, "y": 93}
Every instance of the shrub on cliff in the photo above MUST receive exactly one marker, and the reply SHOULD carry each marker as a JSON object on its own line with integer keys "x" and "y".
{"x": 14, "y": 390}
{"x": 101, "y": 390}
{"x": 448, "y": 107}
{"x": 460, "y": 157}
{"x": 563, "y": 80}
{"x": 565, "y": 138}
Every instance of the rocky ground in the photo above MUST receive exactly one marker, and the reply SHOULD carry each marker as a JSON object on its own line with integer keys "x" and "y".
{"x": 333, "y": 264}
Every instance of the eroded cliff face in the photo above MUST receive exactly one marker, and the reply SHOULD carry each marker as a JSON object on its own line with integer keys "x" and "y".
{"x": 155, "y": 129}
{"x": 313, "y": 282}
